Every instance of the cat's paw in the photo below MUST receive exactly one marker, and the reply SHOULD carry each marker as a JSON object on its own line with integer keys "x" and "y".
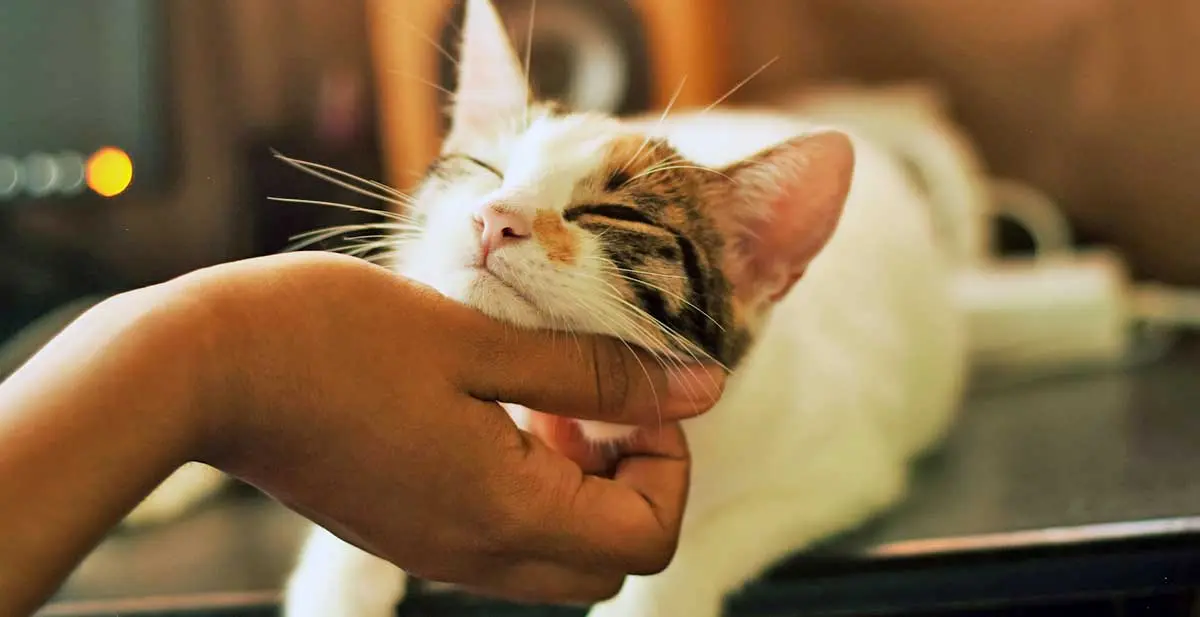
{"x": 175, "y": 497}
{"x": 656, "y": 596}
{"x": 365, "y": 597}
{"x": 336, "y": 579}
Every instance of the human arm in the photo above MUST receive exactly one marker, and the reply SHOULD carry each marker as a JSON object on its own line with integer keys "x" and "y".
{"x": 336, "y": 388}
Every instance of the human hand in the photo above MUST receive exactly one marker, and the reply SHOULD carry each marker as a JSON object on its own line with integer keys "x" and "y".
{"x": 367, "y": 403}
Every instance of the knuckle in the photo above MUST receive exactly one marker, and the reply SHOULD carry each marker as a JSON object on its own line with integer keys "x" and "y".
{"x": 508, "y": 529}
{"x": 606, "y": 589}
{"x": 613, "y": 387}
{"x": 654, "y": 560}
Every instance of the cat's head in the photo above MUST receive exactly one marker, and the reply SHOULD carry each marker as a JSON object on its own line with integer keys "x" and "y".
{"x": 572, "y": 221}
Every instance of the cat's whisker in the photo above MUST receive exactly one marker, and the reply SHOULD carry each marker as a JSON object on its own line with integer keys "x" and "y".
{"x": 371, "y": 238}
{"x": 399, "y": 218}
{"x": 658, "y": 358}
{"x": 389, "y": 194}
{"x": 671, "y": 294}
{"x": 381, "y": 258}
{"x": 739, "y": 85}
{"x": 607, "y": 266}
{"x": 315, "y": 236}
{"x": 664, "y": 357}
{"x": 670, "y": 333}
{"x": 529, "y": 58}
{"x": 670, "y": 167}
{"x": 642, "y": 337}
{"x": 357, "y": 227}
{"x": 626, "y": 320}
{"x": 366, "y": 245}
{"x": 680, "y": 341}
{"x": 432, "y": 43}
{"x": 425, "y": 82}
{"x": 670, "y": 160}
{"x": 599, "y": 315}
{"x": 661, "y": 119}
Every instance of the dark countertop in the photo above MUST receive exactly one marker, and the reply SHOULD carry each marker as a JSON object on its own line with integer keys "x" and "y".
{"x": 1072, "y": 460}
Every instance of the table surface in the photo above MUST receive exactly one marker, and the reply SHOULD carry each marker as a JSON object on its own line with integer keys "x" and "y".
{"x": 1101, "y": 456}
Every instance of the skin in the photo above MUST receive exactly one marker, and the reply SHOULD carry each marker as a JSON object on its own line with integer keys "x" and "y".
{"x": 358, "y": 399}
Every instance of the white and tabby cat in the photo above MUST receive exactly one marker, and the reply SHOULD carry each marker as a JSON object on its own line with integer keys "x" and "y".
{"x": 801, "y": 258}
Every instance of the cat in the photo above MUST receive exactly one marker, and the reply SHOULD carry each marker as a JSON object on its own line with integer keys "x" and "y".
{"x": 801, "y": 257}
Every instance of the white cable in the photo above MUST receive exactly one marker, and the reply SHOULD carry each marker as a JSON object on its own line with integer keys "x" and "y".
{"x": 1162, "y": 305}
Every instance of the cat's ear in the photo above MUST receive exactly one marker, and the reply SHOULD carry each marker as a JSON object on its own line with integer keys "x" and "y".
{"x": 492, "y": 91}
{"x": 780, "y": 210}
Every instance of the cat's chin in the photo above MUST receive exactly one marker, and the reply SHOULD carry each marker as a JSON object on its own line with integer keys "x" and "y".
{"x": 498, "y": 299}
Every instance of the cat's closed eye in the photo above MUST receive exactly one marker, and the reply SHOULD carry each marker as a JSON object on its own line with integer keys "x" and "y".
{"x": 477, "y": 162}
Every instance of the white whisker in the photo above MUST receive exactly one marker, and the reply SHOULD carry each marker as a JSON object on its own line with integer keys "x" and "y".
{"x": 422, "y": 81}
{"x": 529, "y": 58}
{"x": 310, "y": 165}
{"x": 739, "y": 85}
{"x": 598, "y": 315}
{"x": 400, "y": 218}
{"x": 661, "y": 119}
{"x": 654, "y": 170}
{"x": 393, "y": 196}
{"x": 679, "y": 340}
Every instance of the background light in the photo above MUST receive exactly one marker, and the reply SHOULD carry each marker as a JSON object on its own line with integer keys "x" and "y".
{"x": 109, "y": 171}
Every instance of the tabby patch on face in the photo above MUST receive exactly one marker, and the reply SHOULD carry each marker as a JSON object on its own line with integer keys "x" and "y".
{"x": 553, "y": 235}
{"x": 644, "y": 204}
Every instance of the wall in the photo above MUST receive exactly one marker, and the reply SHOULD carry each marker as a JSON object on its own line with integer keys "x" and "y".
{"x": 1095, "y": 101}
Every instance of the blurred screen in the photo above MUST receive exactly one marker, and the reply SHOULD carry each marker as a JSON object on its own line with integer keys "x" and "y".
{"x": 81, "y": 98}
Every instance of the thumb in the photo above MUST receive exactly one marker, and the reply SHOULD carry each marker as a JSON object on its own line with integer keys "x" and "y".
{"x": 586, "y": 377}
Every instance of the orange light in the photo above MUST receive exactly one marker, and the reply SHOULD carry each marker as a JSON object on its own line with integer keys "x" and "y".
{"x": 109, "y": 171}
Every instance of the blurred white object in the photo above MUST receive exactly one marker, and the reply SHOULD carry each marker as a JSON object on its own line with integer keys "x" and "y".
{"x": 1059, "y": 310}
{"x": 1036, "y": 212}
{"x": 910, "y": 121}
{"x": 1046, "y": 314}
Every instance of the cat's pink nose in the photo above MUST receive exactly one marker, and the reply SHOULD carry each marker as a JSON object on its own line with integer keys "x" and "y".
{"x": 500, "y": 227}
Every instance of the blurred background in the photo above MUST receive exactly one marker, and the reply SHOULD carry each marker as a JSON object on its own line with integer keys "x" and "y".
{"x": 137, "y": 140}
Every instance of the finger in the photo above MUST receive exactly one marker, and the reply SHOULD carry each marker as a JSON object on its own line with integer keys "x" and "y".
{"x": 586, "y": 377}
{"x": 629, "y": 523}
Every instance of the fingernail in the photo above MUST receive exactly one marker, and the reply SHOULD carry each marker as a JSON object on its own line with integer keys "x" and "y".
{"x": 694, "y": 388}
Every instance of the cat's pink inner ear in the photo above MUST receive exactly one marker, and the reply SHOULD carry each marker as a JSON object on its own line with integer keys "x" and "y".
{"x": 787, "y": 202}
{"x": 492, "y": 90}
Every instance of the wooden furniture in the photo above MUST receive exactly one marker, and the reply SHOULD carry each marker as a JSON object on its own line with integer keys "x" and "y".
{"x": 685, "y": 39}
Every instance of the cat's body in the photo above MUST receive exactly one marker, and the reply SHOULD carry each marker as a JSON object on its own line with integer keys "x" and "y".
{"x": 803, "y": 260}
{"x": 858, "y": 370}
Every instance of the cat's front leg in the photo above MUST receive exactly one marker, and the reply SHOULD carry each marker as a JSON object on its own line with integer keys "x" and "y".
{"x": 336, "y": 579}
{"x": 725, "y": 550}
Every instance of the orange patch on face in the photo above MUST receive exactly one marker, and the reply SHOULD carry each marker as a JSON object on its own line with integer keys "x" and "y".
{"x": 554, "y": 236}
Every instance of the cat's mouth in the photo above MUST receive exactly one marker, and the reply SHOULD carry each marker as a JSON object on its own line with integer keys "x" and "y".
{"x": 486, "y": 277}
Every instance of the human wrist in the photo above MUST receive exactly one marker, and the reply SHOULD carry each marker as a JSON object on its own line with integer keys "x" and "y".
{"x": 189, "y": 324}
{"x": 88, "y": 427}
{"x": 172, "y": 341}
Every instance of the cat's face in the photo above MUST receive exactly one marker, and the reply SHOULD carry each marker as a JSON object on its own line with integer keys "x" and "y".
{"x": 577, "y": 222}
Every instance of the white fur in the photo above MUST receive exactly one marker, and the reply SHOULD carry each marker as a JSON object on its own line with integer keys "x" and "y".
{"x": 858, "y": 370}
{"x": 182, "y": 491}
